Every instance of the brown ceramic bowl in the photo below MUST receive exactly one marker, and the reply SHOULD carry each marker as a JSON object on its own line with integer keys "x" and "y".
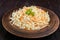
{"x": 53, "y": 26}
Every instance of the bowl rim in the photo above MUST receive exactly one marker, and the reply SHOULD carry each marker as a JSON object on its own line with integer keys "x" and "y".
{"x": 55, "y": 28}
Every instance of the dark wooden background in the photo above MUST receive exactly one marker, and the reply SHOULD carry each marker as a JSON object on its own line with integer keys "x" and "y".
{"x": 6, "y": 5}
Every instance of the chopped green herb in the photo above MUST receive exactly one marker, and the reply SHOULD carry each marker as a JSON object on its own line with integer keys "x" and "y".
{"x": 29, "y": 12}
{"x": 32, "y": 13}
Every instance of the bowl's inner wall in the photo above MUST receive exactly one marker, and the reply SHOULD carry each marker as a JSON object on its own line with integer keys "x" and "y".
{"x": 51, "y": 24}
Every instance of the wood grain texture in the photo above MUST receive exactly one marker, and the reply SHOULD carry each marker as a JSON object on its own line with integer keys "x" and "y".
{"x": 53, "y": 26}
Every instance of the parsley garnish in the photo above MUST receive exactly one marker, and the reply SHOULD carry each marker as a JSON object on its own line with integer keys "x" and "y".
{"x": 29, "y": 12}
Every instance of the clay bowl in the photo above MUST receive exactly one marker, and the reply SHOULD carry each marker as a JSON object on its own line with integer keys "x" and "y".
{"x": 53, "y": 26}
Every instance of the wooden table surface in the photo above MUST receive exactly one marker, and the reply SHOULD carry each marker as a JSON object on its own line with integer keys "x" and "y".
{"x": 6, "y": 5}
